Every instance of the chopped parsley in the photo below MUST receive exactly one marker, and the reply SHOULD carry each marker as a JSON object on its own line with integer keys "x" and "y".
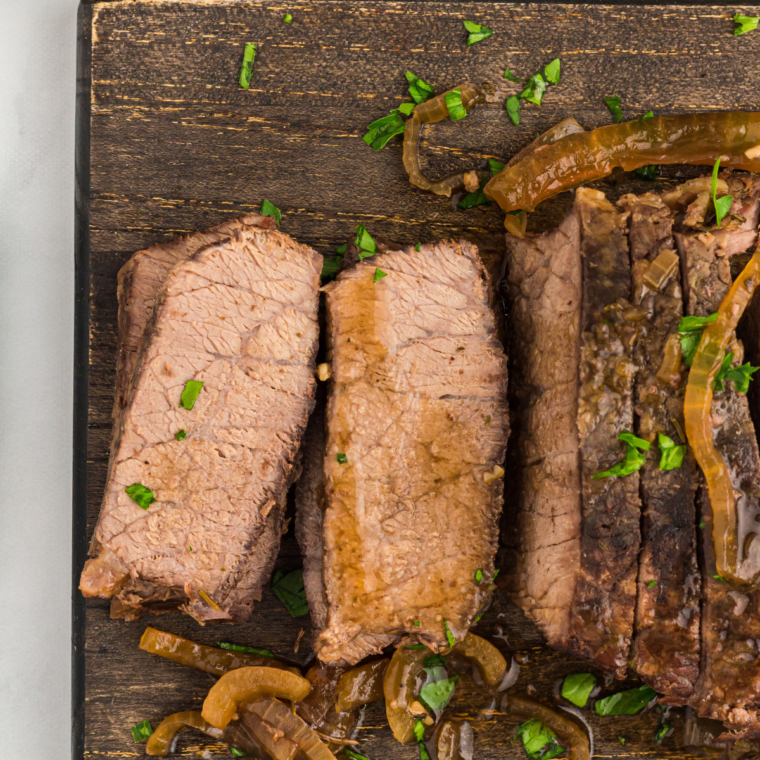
{"x": 190, "y": 394}
{"x": 434, "y": 661}
{"x": 141, "y": 731}
{"x": 722, "y": 205}
{"x": 235, "y": 752}
{"x": 181, "y": 435}
{"x": 745, "y": 24}
{"x": 415, "y": 646}
{"x": 381, "y": 131}
{"x": 417, "y": 623}
{"x": 449, "y": 635}
{"x": 419, "y": 730}
{"x": 246, "y": 70}
{"x": 478, "y": 198}
{"x": 613, "y": 104}
{"x": 341, "y": 249}
{"x": 671, "y": 455}
{"x": 551, "y": 71}
{"x": 702, "y": 523}
{"x": 419, "y": 89}
{"x": 140, "y": 495}
{"x": 454, "y": 105}
{"x": 649, "y": 173}
{"x": 418, "y": 246}
{"x": 534, "y": 90}
{"x": 342, "y": 458}
{"x": 621, "y": 739}
{"x": 330, "y": 267}
{"x": 478, "y": 575}
{"x": 288, "y": 19}
{"x": 625, "y": 702}
{"x": 354, "y": 755}
{"x": 651, "y": 584}
{"x": 740, "y": 376}
{"x": 289, "y": 589}
{"x": 365, "y": 243}
{"x": 245, "y": 650}
{"x": 539, "y": 740}
{"x": 633, "y": 460}
{"x": 690, "y": 334}
{"x": 663, "y": 730}
{"x": 513, "y": 109}
{"x": 647, "y": 115}
{"x": 406, "y": 108}
{"x": 477, "y": 32}
{"x": 269, "y": 209}
{"x": 495, "y": 166}
{"x": 424, "y": 754}
{"x": 578, "y": 687}
{"x": 379, "y": 274}
{"x": 718, "y": 577}
{"x": 436, "y": 695}
{"x": 510, "y": 76}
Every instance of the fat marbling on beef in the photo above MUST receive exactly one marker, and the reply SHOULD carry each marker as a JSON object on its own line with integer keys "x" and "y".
{"x": 416, "y": 424}
{"x": 238, "y": 315}
{"x": 572, "y": 540}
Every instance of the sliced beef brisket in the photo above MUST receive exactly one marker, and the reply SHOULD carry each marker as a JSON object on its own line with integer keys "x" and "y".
{"x": 666, "y": 645}
{"x": 416, "y": 424}
{"x": 239, "y": 315}
{"x": 572, "y": 548}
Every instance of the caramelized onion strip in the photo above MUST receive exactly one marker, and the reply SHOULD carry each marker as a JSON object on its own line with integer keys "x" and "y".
{"x": 487, "y": 658}
{"x": 362, "y": 685}
{"x": 160, "y": 741}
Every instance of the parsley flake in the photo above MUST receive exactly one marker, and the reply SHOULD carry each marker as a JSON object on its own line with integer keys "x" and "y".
{"x": 289, "y": 589}
{"x": 379, "y": 274}
{"x": 671, "y": 455}
{"x": 140, "y": 495}
{"x": 449, "y": 635}
{"x": 534, "y": 90}
{"x": 722, "y": 205}
{"x": 246, "y": 70}
{"x": 245, "y": 650}
{"x": 381, "y": 131}
{"x": 478, "y": 575}
{"x": 235, "y": 752}
{"x": 288, "y": 19}
{"x": 577, "y": 688}
{"x": 477, "y": 32}
{"x": 141, "y": 731}
{"x": 510, "y": 76}
{"x": 539, "y": 740}
{"x": 354, "y": 755}
{"x": 745, "y": 24}
{"x": 633, "y": 460}
{"x": 551, "y": 71}
{"x": 190, "y": 394}
{"x": 625, "y": 702}
{"x": 436, "y": 695}
{"x": 181, "y": 435}
{"x": 613, "y": 104}
{"x": 651, "y": 584}
{"x": 419, "y": 89}
{"x": 454, "y": 105}
{"x": 365, "y": 243}
{"x": 513, "y": 109}
{"x": 269, "y": 209}
{"x": 342, "y": 458}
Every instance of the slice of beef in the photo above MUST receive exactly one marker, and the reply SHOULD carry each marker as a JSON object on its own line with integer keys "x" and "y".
{"x": 417, "y": 412}
{"x": 139, "y": 283}
{"x": 729, "y": 684}
{"x": 666, "y": 645}
{"x": 572, "y": 542}
{"x": 240, "y": 316}
{"x": 542, "y": 519}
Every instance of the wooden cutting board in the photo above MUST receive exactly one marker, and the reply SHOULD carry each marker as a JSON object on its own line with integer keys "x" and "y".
{"x": 167, "y": 143}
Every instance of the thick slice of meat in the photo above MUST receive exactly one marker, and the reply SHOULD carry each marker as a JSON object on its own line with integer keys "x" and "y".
{"x": 240, "y": 316}
{"x": 417, "y": 412}
{"x": 666, "y": 645}
{"x": 542, "y": 520}
{"x": 729, "y": 684}
{"x": 571, "y": 560}
{"x": 139, "y": 283}
{"x": 603, "y": 605}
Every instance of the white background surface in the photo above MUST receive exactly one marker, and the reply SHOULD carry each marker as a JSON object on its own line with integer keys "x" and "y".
{"x": 37, "y": 93}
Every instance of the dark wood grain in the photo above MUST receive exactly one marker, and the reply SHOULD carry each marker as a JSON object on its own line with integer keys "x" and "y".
{"x": 169, "y": 143}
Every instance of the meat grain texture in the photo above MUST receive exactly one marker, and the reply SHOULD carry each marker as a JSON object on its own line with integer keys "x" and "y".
{"x": 239, "y": 315}
{"x": 417, "y": 409}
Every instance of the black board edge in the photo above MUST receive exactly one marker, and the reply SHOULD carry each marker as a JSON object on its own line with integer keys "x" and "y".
{"x": 81, "y": 371}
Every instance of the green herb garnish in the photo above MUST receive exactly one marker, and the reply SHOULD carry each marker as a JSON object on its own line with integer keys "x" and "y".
{"x": 509, "y": 75}
{"x": 740, "y": 376}
{"x": 288, "y": 19}
{"x": 417, "y": 623}
{"x": 449, "y": 635}
{"x": 539, "y": 740}
{"x": 702, "y": 523}
{"x": 437, "y": 695}
{"x": 330, "y": 267}
{"x": 454, "y": 105}
{"x": 650, "y": 173}
{"x": 342, "y": 458}
{"x": 140, "y": 495}
{"x": 613, "y": 104}
{"x": 671, "y": 455}
{"x": 181, "y": 435}
{"x": 289, "y": 589}
{"x": 141, "y": 731}
{"x": 235, "y": 752}
{"x": 355, "y": 755}
{"x": 365, "y": 243}
{"x": 551, "y": 71}
{"x": 690, "y": 334}
{"x": 578, "y": 687}
{"x": 418, "y": 246}
{"x": 621, "y": 739}
{"x": 494, "y": 166}
{"x": 533, "y": 91}
{"x": 626, "y": 702}
{"x": 381, "y": 131}
{"x": 633, "y": 460}
{"x": 246, "y": 70}
{"x": 478, "y": 575}
{"x": 379, "y": 274}
{"x": 662, "y": 731}
{"x": 190, "y": 394}
{"x": 245, "y": 650}
{"x": 477, "y": 32}
{"x": 718, "y": 577}
{"x": 435, "y": 660}
{"x": 695, "y": 324}
{"x": 478, "y": 198}
{"x": 419, "y": 730}
{"x": 722, "y": 205}
{"x": 513, "y": 109}
{"x": 424, "y": 754}
{"x": 269, "y": 209}
{"x": 406, "y": 108}
{"x": 745, "y": 24}
{"x": 419, "y": 89}
{"x": 647, "y": 115}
